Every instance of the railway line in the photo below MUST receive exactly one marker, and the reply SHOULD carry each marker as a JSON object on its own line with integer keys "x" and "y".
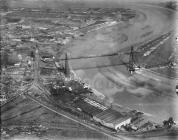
{"x": 21, "y": 114}
{"x": 52, "y": 108}
{"x": 44, "y": 101}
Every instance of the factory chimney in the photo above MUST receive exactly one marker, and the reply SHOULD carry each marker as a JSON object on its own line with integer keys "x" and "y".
{"x": 67, "y": 68}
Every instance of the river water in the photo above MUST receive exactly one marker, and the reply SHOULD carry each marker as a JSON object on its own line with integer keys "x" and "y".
{"x": 157, "y": 105}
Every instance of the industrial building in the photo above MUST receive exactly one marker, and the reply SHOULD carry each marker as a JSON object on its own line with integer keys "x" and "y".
{"x": 102, "y": 114}
{"x": 112, "y": 119}
{"x": 87, "y": 108}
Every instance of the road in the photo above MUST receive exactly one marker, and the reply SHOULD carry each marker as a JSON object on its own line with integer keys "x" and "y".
{"x": 150, "y": 23}
{"x": 51, "y": 106}
{"x": 27, "y": 111}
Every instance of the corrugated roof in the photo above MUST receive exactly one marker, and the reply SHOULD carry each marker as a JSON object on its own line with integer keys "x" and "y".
{"x": 120, "y": 120}
{"x": 87, "y": 107}
{"x": 109, "y": 115}
{"x": 96, "y": 104}
{"x": 100, "y": 115}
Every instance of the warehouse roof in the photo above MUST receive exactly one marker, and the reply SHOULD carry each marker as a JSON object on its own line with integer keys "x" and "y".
{"x": 109, "y": 115}
{"x": 86, "y": 107}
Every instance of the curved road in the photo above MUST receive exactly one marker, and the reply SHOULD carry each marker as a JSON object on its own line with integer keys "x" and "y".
{"x": 149, "y": 23}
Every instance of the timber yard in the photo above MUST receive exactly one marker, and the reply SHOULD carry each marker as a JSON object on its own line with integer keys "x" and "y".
{"x": 92, "y": 72}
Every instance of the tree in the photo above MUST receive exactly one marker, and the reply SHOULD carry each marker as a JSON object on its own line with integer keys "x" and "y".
{"x": 171, "y": 5}
{"x": 169, "y": 123}
{"x": 5, "y": 5}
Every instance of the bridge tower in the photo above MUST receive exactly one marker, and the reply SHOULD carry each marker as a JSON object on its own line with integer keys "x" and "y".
{"x": 131, "y": 66}
{"x": 67, "y": 67}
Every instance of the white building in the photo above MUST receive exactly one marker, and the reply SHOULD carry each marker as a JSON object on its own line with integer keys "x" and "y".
{"x": 122, "y": 122}
{"x": 112, "y": 119}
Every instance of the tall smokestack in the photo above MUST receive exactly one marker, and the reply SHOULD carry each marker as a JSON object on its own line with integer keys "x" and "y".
{"x": 67, "y": 68}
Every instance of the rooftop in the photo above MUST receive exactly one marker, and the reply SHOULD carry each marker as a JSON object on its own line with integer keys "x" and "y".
{"x": 109, "y": 115}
